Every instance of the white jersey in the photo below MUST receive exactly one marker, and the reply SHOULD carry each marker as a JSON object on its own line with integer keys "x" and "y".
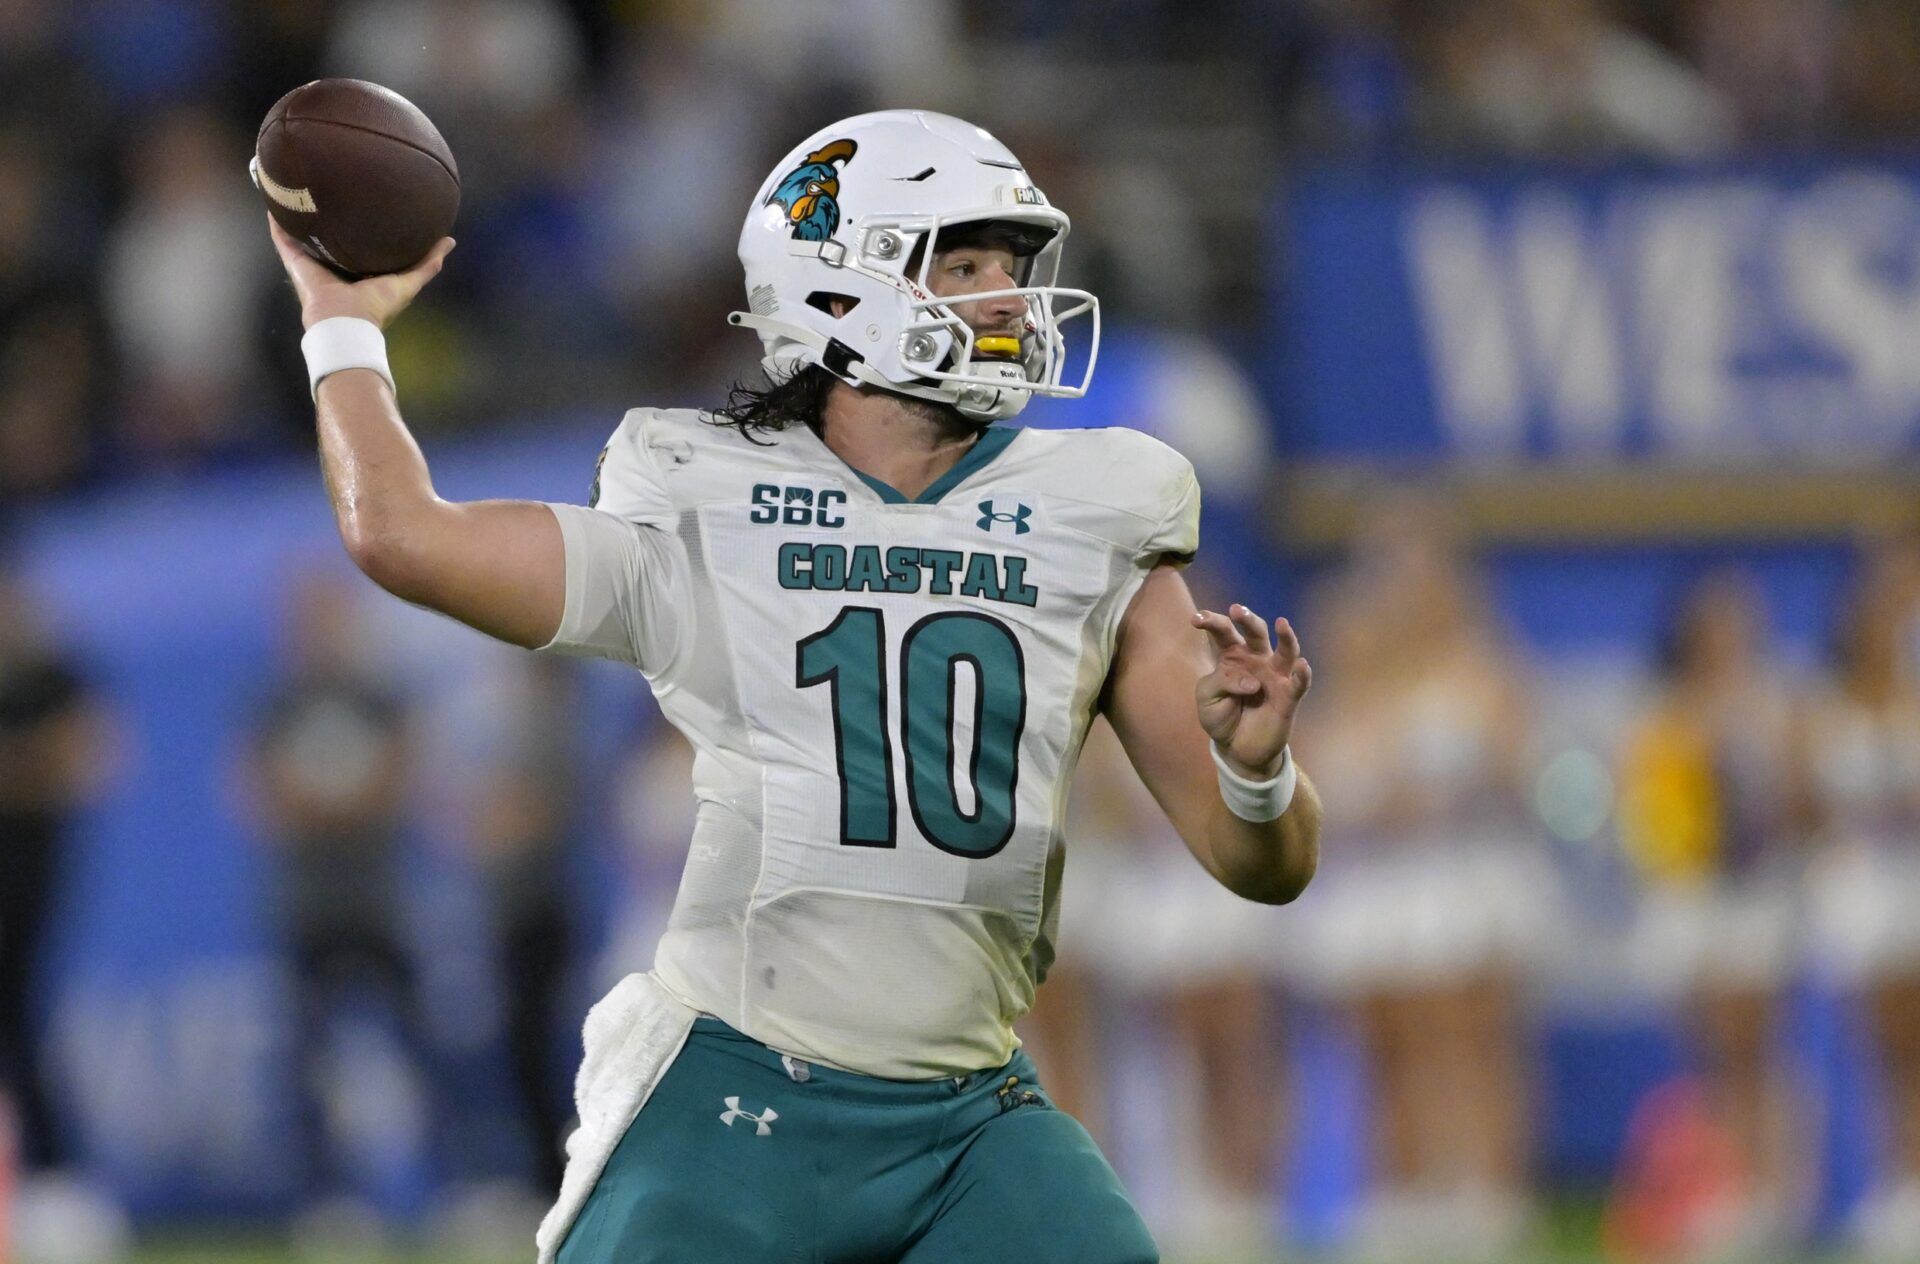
{"x": 887, "y": 699}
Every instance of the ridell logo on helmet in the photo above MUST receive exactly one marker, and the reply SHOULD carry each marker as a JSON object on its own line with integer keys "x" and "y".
{"x": 810, "y": 193}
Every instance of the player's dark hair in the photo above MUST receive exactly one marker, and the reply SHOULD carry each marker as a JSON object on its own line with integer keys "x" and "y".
{"x": 798, "y": 401}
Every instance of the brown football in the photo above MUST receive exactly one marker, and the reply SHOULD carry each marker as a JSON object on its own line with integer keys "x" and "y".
{"x": 356, "y": 173}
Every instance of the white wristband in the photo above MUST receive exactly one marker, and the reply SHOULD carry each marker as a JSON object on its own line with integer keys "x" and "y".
{"x": 345, "y": 342}
{"x": 1256, "y": 800}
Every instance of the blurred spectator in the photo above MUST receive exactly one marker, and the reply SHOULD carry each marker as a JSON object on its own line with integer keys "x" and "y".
{"x": 53, "y": 372}
{"x": 185, "y": 277}
{"x": 479, "y": 61}
{"x": 677, "y": 160}
{"x": 1434, "y": 890}
{"x": 1703, "y": 816}
{"x": 893, "y": 53}
{"x": 526, "y": 808}
{"x": 41, "y": 83}
{"x": 1146, "y": 932}
{"x": 53, "y": 384}
{"x": 331, "y": 770}
{"x": 1879, "y": 71}
{"x": 44, "y": 237}
{"x": 1136, "y": 241}
{"x": 1559, "y": 76}
{"x": 1770, "y": 60}
{"x": 52, "y": 760}
{"x": 536, "y": 280}
{"x": 1859, "y": 756}
{"x": 1355, "y": 80}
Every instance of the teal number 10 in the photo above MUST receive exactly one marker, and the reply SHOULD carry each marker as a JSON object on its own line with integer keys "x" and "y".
{"x": 848, "y": 656}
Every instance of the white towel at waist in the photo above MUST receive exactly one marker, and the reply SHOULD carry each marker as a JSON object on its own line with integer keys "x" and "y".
{"x": 632, "y": 1036}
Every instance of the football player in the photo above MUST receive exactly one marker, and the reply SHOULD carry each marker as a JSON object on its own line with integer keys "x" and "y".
{"x": 884, "y": 622}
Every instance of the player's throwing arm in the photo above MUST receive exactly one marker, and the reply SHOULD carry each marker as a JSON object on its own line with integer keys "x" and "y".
{"x": 378, "y": 188}
{"x": 497, "y": 565}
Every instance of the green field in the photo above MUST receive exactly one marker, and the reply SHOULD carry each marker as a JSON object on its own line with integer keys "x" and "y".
{"x": 185, "y": 1251}
{"x": 235, "y": 1251}
{"x": 1570, "y": 1236}
{"x": 232, "y": 1251}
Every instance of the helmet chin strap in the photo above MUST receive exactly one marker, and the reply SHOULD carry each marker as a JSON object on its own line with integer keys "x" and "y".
{"x": 983, "y": 404}
{"x": 988, "y": 404}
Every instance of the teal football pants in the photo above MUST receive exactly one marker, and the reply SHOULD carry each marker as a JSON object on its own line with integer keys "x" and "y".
{"x": 741, "y": 1155}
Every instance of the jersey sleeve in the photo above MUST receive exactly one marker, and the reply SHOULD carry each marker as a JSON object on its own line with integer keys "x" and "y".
{"x": 626, "y": 481}
{"x": 1176, "y": 537}
{"x": 628, "y": 586}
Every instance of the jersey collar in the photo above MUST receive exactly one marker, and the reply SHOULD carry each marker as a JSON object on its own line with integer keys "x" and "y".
{"x": 991, "y": 443}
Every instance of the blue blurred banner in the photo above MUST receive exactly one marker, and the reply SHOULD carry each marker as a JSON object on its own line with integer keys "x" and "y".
{"x": 1753, "y": 313}
{"x": 170, "y": 1014}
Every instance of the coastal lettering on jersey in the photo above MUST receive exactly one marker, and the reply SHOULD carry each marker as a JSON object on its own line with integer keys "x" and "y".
{"x": 903, "y": 569}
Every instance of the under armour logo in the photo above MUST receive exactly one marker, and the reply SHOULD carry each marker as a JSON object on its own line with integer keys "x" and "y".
{"x": 763, "y": 1122}
{"x": 988, "y": 516}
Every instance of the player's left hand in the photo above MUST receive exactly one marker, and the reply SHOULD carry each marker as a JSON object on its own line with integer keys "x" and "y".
{"x": 1247, "y": 702}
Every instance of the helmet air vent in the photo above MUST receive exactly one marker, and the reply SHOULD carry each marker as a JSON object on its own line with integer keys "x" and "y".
{"x": 823, "y": 300}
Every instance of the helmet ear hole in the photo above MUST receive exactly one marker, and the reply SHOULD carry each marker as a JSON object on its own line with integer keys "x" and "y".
{"x": 834, "y": 305}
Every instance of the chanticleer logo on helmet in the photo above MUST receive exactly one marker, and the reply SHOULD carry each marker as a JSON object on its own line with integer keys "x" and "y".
{"x": 838, "y": 253}
{"x": 810, "y": 193}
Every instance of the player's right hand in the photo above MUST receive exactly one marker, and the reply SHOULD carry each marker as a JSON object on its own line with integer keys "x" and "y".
{"x": 323, "y": 293}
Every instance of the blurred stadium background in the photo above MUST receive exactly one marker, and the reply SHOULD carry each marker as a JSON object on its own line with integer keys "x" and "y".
{"x": 1555, "y": 364}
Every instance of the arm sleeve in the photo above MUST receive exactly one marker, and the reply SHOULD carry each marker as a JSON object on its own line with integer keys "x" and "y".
{"x": 628, "y": 587}
{"x": 628, "y": 594}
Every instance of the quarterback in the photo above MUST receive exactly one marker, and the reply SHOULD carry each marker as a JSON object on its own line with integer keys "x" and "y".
{"x": 885, "y": 623}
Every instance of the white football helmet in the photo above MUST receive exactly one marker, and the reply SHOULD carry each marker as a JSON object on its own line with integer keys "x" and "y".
{"x": 852, "y": 214}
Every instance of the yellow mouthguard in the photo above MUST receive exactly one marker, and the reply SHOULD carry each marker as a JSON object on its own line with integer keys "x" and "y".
{"x": 996, "y": 345}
